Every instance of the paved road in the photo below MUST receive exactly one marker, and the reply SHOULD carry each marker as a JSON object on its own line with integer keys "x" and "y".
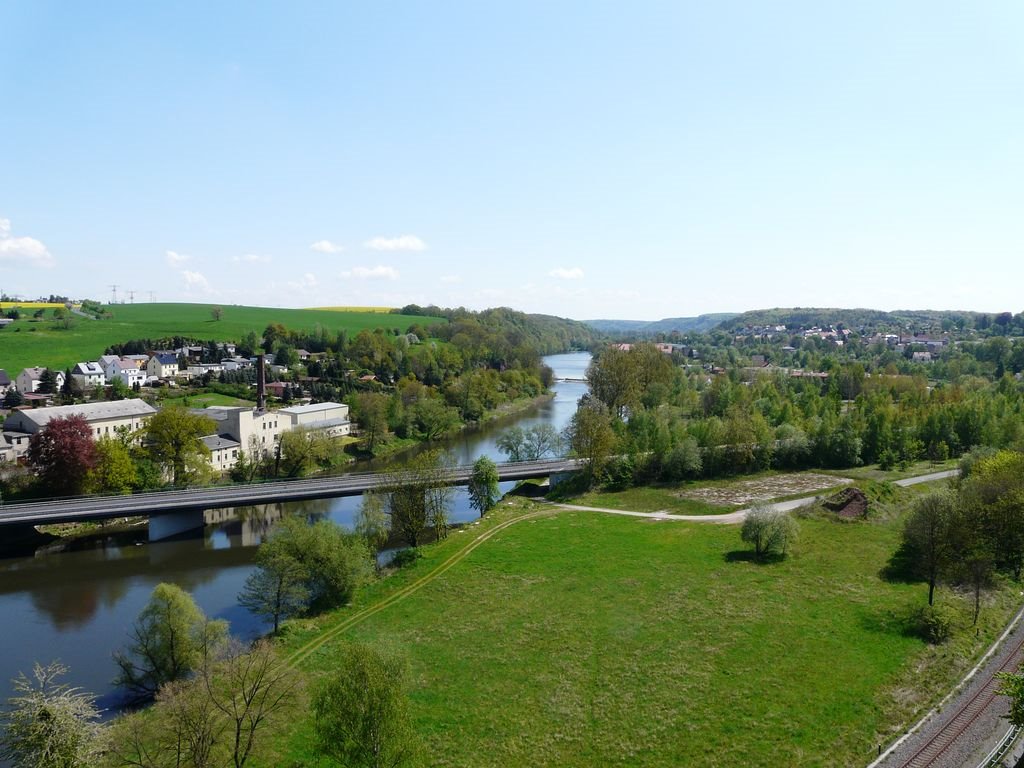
{"x": 908, "y": 481}
{"x": 147, "y": 504}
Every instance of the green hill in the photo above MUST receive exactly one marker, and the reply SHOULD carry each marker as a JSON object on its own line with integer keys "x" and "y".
{"x": 46, "y": 342}
{"x": 698, "y": 324}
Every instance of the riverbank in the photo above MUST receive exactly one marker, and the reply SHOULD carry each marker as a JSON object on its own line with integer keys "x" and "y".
{"x": 688, "y": 653}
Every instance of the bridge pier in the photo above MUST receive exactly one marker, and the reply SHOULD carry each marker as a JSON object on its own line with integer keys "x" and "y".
{"x": 173, "y": 523}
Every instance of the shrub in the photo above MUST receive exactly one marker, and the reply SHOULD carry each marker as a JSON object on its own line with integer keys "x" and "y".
{"x": 933, "y": 623}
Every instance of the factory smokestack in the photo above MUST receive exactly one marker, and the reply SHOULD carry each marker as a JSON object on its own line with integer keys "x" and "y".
{"x": 261, "y": 383}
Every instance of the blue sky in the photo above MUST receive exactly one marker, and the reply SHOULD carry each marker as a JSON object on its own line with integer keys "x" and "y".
{"x": 592, "y": 159}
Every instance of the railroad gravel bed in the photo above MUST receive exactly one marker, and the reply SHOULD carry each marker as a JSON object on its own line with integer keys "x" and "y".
{"x": 981, "y": 735}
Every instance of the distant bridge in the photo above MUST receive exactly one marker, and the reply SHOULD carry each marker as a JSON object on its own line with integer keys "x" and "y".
{"x": 173, "y": 512}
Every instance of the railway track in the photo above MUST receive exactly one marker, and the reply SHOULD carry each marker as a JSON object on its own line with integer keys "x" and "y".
{"x": 936, "y": 747}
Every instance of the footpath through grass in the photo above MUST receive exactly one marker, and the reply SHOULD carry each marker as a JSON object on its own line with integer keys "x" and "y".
{"x": 48, "y": 343}
{"x": 580, "y": 639}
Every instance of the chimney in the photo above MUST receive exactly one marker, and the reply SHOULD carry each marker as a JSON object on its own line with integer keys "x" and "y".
{"x": 261, "y": 383}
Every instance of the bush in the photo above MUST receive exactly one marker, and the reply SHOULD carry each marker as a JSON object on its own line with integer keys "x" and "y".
{"x": 404, "y": 557}
{"x": 771, "y": 531}
{"x": 933, "y": 623}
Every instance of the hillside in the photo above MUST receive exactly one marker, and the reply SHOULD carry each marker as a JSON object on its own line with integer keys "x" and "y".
{"x": 699, "y": 324}
{"x": 46, "y": 342}
{"x": 872, "y": 319}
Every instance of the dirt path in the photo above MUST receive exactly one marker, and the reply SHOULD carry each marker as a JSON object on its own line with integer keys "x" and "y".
{"x": 299, "y": 655}
{"x": 302, "y": 653}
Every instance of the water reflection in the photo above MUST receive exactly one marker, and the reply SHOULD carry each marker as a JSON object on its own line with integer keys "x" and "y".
{"x": 78, "y": 605}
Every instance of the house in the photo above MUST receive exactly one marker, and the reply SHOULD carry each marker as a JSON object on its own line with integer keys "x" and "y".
{"x": 5, "y": 382}
{"x": 922, "y": 357}
{"x": 223, "y": 451}
{"x": 30, "y": 379}
{"x": 236, "y": 363}
{"x": 303, "y": 354}
{"x": 200, "y": 369}
{"x": 330, "y": 418}
{"x": 103, "y": 417}
{"x": 89, "y": 375}
{"x": 130, "y": 371}
{"x": 163, "y": 365}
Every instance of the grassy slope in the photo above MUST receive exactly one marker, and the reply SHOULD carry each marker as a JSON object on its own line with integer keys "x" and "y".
{"x": 585, "y": 639}
{"x": 51, "y": 345}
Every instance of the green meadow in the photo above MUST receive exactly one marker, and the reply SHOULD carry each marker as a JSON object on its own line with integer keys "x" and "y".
{"x": 47, "y": 343}
{"x": 581, "y": 639}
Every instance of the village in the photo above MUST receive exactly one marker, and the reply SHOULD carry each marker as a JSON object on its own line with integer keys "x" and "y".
{"x": 30, "y": 397}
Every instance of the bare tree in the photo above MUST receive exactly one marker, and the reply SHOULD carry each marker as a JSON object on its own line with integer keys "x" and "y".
{"x": 248, "y": 689}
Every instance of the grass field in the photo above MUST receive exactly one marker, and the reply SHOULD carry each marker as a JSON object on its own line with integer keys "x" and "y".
{"x": 47, "y": 343}
{"x": 581, "y": 639}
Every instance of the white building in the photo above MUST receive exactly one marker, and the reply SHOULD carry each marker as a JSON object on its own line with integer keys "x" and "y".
{"x": 246, "y": 428}
{"x": 89, "y": 375}
{"x": 128, "y": 370}
{"x": 331, "y": 418}
{"x": 30, "y": 379}
{"x": 223, "y": 452}
{"x": 103, "y": 418}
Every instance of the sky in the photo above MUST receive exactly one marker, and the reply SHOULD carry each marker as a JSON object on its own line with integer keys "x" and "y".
{"x": 585, "y": 159}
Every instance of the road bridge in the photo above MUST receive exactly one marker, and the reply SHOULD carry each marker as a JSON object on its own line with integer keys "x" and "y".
{"x": 173, "y": 512}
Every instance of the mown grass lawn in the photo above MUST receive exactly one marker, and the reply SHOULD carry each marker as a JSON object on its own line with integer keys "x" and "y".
{"x": 583, "y": 639}
{"x": 47, "y": 343}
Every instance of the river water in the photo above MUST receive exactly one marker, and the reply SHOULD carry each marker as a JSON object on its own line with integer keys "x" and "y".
{"x": 78, "y": 606}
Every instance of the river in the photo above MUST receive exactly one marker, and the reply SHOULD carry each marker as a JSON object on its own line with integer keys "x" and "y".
{"x": 77, "y": 606}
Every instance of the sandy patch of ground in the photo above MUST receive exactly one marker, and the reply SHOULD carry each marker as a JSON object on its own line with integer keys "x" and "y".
{"x": 765, "y": 488}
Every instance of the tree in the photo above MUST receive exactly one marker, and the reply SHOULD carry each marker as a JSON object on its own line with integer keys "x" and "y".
{"x": 169, "y": 640}
{"x": 372, "y": 521}
{"x": 418, "y": 495}
{"x": 511, "y": 442}
{"x": 591, "y": 437}
{"x": 335, "y": 563}
{"x": 276, "y": 589}
{"x": 371, "y": 413}
{"x": 539, "y": 440}
{"x": 48, "y": 724}
{"x": 483, "y": 485}
{"x": 771, "y": 531}
{"x": 217, "y": 313}
{"x": 928, "y": 537}
{"x": 173, "y": 436}
{"x": 13, "y": 398}
{"x": 48, "y": 382}
{"x": 63, "y": 453}
{"x": 118, "y": 390}
{"x": 215, "y": 718}
{"x": 1011, "y": 684}
{"x": 361, "y": 711}
{"x": 302, "y": 449}
{"x": 114, "y": 470}
{"x": 249, "y": 689}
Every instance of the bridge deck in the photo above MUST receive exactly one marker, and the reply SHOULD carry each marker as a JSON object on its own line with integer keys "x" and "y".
{"x": 83, "y": 508}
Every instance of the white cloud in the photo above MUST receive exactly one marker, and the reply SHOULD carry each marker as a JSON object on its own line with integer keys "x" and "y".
{"x": 400, "y": 243}
{"x": 196, "y": 280}
{"x": 251, "y": 258}
{"x": 451, "y": 278}
{"x": 176, "y": 259}
{"x": 326, "y": 246}
{"x": 379, "y": 272}
{"x": 26, "y": 250}
{"x": 567, "y": 274}
{"x": 307, "y": 283}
